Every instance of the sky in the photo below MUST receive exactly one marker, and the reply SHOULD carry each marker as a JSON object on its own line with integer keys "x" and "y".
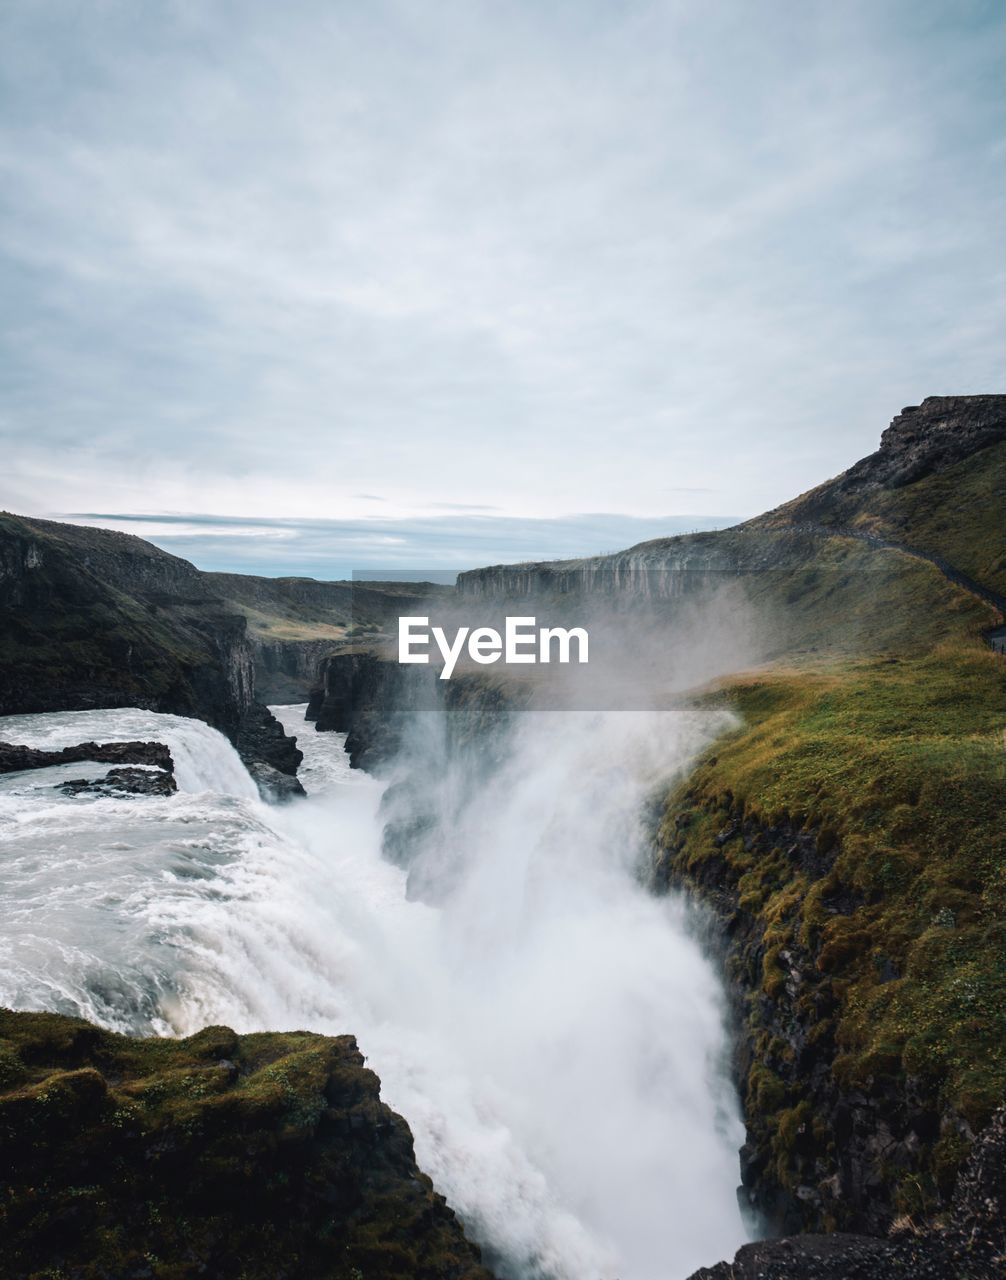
{"x": 317, "y": 286}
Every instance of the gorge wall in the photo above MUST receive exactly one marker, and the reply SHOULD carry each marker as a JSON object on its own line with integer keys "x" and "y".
{"x": 94, "y": 618}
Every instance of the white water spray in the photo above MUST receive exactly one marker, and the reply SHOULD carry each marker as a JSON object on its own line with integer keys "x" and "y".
{"x": 551, "y": 1031}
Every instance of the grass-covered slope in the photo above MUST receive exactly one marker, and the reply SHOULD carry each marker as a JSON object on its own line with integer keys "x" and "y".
{"x": 257, "y": 1157}
{"x": 961, "y": 513}
{"x": 851, "y": 835}
{"x": 937, "y": 483}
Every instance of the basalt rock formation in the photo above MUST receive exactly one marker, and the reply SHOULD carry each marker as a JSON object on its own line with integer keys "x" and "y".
{"x": 271, "y": 756}
{"x": 255, "y": 1157}
{"x": 14, "y": 758}
{"x": 923, "y": 440}
{"x": 969, "y": 1245}
{"x": 368, "y": 696}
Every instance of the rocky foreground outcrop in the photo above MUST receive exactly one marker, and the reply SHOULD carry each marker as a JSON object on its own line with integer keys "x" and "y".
{"x": 255, "y": 1157}
{"x": 133, "y": 782}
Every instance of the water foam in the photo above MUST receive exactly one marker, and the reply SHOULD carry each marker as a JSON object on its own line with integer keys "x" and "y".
{"x": 552, "y": 1033}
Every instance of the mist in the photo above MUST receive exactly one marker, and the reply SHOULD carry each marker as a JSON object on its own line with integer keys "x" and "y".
{"x": 552, "y": 1031}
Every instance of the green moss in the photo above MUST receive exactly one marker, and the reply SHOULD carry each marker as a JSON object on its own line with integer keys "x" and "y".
{"x": 894, "y": 773}
{"x": 252, "y": 1157}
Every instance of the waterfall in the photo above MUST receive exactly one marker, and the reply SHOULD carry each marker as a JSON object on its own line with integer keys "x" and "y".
{"x": 204, "y": 759}
{"x": 552, "y": 1033}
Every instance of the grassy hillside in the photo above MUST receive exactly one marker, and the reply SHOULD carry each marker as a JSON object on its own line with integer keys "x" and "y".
{"x": 851, "y": 835}
{"x": 954, "y": 506}
{"x": 958, "y": 513}
{"x": 890, "y": 944}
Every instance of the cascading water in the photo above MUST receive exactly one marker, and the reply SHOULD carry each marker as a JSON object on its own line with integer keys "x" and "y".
{"x": 551, "y": 1031}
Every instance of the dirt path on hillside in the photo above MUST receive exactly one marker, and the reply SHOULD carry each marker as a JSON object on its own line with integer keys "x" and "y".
{"x": 994, "y": 636}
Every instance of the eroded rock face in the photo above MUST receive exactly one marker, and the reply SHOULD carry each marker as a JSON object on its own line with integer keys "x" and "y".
{"x": 287, "y": 670}
{"x": 838, "y": 1167}
{"x": 370, "y": 697}
{"x": 261, "y": 739}
{"x": 930, "y": 437}
{"x": 970, "y": 1246}
{"x": 94, "y": 618}
{"x": 922, "y": 440}
{"x": 274, "y": 787}
{"x": 260, "y": 1157}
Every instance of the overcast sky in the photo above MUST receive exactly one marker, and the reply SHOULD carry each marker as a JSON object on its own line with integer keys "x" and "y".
{"x": 461, "y": 269}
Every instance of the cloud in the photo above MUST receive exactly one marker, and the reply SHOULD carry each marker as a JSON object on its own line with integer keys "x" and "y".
{"x": 541, "y": 259}
{"x": 337, "y": 549}
{"x": 461, "y": 506}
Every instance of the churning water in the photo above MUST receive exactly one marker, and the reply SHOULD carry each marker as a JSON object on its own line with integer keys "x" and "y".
{"x": 551, "y": 1032}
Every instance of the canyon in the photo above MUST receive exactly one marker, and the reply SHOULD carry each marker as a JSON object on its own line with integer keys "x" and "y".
{"x": 839, "y": 836}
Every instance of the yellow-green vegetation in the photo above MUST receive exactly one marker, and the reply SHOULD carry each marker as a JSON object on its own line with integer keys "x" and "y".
{"x": 958, "y": 512}
{"x": 858, "y": 820}
{"x": 254, "y": 1157}
{"x": 283, "y": 625}
{"x": 833, "y": 595}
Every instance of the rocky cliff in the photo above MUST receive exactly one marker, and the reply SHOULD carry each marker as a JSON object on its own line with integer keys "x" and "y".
{"x": 286, "y": 671}
{"x": 934, "y": 442}
{"x": 94, "y": 618}
{"x": 257, "y": 1157}
{"x": 923, "y": 440}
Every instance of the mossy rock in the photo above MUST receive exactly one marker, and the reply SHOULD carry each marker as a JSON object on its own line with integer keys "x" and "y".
{"x": 257, "y": 1157}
